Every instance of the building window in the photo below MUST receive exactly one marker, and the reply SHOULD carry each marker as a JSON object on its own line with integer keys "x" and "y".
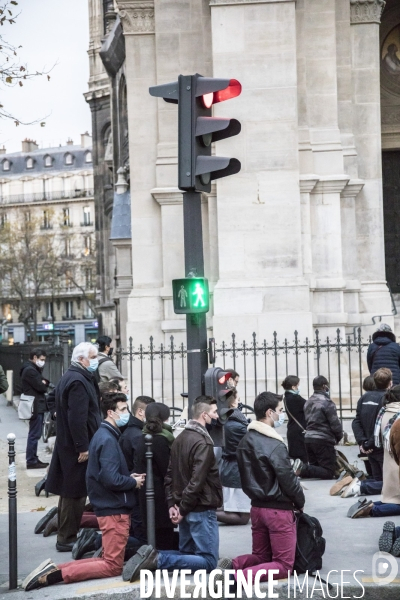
{"x": 66, "y": 219}
{"x": 86, "y": 215}
{"x": 27, "y": 216}
{"x": 69, "y": 309}
{"x": 46, "y": 219}
{"x": 29, "y": 163}
{"x": 3, "y": 220}
{"x": 49, "y": 311}
{"x": 88, "y": 278}
{"x": 88, "y": 245}
{"x": 6, "y": 165}
{"x": 67, "y": 246}
{"x": 69, "y": 159}
{"x": 88, "y": 157}
{"x": 48, "y": 161}
{"x": 89, "y": 314}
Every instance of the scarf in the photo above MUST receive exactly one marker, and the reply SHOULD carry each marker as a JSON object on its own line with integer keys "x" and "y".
{"x": 195, "y": 426}
{"x": 265, "y": 430}
{"x": 393, "y": 408}
{"x": 166, "y": 432}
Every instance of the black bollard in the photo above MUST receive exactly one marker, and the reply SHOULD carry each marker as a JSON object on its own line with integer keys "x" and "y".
{"x": 12, "y": 513}
{"x": 150, "y": 501}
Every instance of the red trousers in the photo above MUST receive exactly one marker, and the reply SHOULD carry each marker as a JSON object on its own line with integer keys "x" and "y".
{"x": 115, "y": 530}
{"x": 274, "y": 543}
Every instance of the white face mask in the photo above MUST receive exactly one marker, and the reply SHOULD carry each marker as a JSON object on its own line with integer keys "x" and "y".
{"x": 280, "y": 420}
{"x": 40, "y": 363}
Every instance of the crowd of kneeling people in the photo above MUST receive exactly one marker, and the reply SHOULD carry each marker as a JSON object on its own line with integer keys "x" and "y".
{"x": 257, "y": 476}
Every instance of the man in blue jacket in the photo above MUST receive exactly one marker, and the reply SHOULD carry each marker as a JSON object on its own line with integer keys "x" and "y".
{"x": 110, "y": 488}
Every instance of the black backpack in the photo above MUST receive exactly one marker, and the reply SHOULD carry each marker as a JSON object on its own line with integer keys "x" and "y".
{"x": 310, "y": 544}
{"x": 96, "y": 374}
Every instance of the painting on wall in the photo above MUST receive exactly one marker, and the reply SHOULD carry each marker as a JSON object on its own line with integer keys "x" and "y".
{"x": 390, "y": 61}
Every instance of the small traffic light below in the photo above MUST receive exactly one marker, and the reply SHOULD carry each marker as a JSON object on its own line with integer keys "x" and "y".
{"x": 216, "y": 385}
{"x": 190, "y": 295}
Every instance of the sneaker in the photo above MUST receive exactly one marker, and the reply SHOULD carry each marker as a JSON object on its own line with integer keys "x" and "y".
{"x": 37, "y": 572}
{"x": 225, "y": 563}
{"x": 395, "y": 551}
{"x": 40, "y": 526}
{"x": 145, "y": 558}
{"x": 85, "y": 543}
{"x": 298, "y": 465}
{"x": 354, "y": 507}
{"x": 353, "y": 489}
{"x": 387, "y": 539}
{"x": 339, "y": 485}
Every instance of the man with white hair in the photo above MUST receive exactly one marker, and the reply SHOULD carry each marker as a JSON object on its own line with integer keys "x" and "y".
{"x": 78, "y": 418}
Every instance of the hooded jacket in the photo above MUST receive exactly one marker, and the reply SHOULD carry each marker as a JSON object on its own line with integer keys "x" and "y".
{"x": 384, "y": 352}
{"x": 265, "y": 471}
{"x": 32, "y": 385}
{"x": 323, "y": 424}
{"x": 192, "y": 481}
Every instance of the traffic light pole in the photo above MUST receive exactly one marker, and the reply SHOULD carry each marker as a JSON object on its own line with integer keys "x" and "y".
{"x": 196, "y": 328}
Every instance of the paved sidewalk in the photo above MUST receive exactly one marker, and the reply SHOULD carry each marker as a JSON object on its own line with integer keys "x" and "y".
{"x": 351, "y": 544}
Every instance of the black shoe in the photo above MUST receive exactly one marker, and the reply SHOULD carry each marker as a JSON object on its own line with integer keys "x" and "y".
{"x": 64, "y": 547}
{"x": 41, "y": 486}
{"x": 38, "y": 465}
{"x": 44, "y": 520}
{"x": 387, "y": 538}
{"x": 38, "y": 577}
{"x": 145, "y": 558}
{"x": 51, "y": 527}
{"x": 86, "y": 542}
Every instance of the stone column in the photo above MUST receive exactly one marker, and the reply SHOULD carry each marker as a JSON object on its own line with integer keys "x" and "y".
{"x": 145, "y": 309}
{"x": 365, "y": 19}
{"x": 261, "y": 287}
{"x": 307, "y": 184}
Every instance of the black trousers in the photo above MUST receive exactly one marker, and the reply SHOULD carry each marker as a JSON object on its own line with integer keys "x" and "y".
{"x": 70, "y": 511}
{"x": 376, "y": 464}
{"x": 321, "y": 461}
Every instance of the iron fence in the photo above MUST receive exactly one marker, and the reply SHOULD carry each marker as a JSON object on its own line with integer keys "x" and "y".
{"x": 160, "y": 370}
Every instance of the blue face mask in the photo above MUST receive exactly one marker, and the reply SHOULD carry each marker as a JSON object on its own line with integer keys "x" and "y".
{"x": 281, "y": 419}
{"x": 123, "y": 419}
{"x": 295, "y": 391}
{"x": 93, "y": 366}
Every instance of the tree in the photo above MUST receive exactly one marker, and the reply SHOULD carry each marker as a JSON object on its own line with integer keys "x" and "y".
{"x": 29, "y": 261}
{"x": 13, "y": 71}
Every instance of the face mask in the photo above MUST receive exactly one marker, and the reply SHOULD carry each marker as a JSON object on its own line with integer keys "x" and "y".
{"x": 40, "y": 364}
{"x": 110, "y": 352}
{"x": 213, "y": 422}
{"x": 128, "y": 397}
{"x": 280, "y": 420}
{"x": 123, "y": 419}
{"x": 295, "y": 391}
{"x": 94, "y": 363}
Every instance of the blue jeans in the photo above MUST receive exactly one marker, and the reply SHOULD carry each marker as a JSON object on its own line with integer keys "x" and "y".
{"x": 371, "y": 487}
{"x": 385, "y": 510}
{"x": 198, "y": 544}
{"x": 35, "y": 432}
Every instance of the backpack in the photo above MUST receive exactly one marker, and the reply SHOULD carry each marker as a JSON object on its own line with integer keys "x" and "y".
{"x": 310, "y": 545}
{"x": 96, "y": 374}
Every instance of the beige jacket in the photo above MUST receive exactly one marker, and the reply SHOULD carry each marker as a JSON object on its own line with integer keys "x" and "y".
{"x": 391, "y": 483}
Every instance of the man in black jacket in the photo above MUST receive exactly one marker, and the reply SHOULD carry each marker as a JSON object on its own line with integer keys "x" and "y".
{"x": 324, "y": 430}
{"x": 384, "y": 352}
{"x": 33, "y": 384}
{"x": 363, "y": 427}
{"x": 193, "y": 492}
{"x": 267, "y": 478}
{"x": 110, "y": 488}
{"x": 78, "y": 418}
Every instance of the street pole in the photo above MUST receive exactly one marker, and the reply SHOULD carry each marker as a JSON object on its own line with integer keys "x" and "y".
{"x": 150, "y": 500}
{"x": 196, "y": 328}
{"x": 12, "y": 514}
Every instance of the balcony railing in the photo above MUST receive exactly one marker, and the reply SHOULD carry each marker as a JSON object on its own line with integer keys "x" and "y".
{"x": 87, "y": 224}
{"x": 43, "y": 196}
{"x": 72, "y": 318}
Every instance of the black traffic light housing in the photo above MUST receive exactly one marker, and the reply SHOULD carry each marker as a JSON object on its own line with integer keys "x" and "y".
{"x": 195, "y": 96}
{"x": 216, "y": 385}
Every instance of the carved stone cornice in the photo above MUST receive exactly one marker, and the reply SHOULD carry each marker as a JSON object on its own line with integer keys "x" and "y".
{"x": 366, "y": 11}
{"x": 137, "y": 16}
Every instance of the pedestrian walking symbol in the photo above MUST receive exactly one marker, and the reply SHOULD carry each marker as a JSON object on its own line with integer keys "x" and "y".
{"x": 190, "y": 295}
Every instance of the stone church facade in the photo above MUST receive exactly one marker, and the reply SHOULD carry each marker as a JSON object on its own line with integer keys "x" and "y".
{"x": 305, "y": 236}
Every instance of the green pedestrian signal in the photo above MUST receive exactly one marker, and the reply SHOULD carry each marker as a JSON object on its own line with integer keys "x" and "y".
{"x": 191, "y": 295}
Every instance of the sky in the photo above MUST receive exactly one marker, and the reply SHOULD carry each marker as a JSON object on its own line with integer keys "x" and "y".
{"x": 51, "y": 32}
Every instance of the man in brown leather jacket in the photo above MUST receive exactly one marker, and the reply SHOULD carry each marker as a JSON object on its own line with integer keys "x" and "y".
{"x": 193, "y": 492}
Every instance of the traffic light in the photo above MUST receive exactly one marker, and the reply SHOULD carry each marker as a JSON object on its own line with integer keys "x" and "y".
{"x": 197, "y": 130}
{"x": 216, "y": 385}
{"x": 191, "y": 295}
